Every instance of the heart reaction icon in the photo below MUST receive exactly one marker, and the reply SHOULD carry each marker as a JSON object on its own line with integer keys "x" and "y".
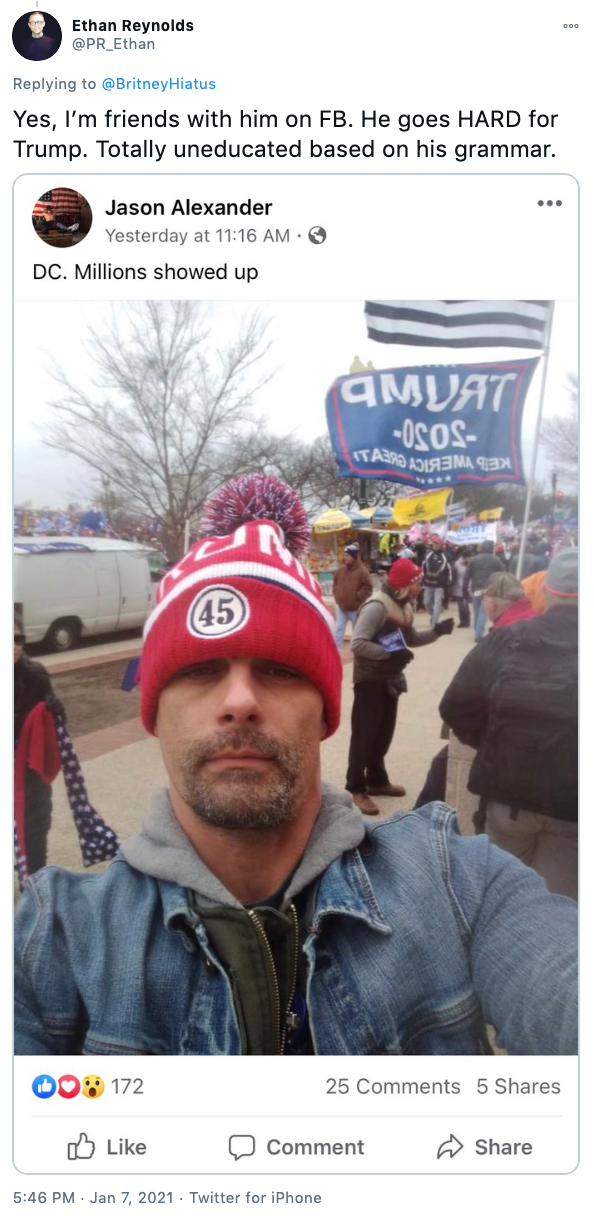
{"x": 68, "y": 1086}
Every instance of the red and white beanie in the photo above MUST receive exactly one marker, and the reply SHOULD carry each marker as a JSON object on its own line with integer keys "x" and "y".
{"x": 243, "y": 592}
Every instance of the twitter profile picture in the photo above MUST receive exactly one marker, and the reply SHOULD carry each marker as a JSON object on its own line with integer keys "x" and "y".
{"x": 44, "y": 1086}
{"x": 36, "y": 35}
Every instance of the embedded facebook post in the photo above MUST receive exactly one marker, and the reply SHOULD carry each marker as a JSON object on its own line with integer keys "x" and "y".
{"x": 297, "y": 581}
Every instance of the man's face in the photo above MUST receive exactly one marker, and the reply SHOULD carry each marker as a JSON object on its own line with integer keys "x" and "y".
{"x": 350, "y": 560}
{"x": 36, "y": 24}
{"x": 240, "y": 739}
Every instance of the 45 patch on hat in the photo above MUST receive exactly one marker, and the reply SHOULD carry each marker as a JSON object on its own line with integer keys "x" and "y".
{"x": 218, "y": 611}
{"x": 243, "y": 593}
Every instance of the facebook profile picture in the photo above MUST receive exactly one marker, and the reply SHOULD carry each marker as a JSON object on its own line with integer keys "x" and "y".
{"x": 44, "y": 1086}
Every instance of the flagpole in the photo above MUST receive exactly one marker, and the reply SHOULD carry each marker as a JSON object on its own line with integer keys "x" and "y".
{"x": 530, "y": 488}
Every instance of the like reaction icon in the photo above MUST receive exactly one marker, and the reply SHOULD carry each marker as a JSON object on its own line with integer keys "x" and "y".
{"x": 68, "y": 1086}
{"x": 44, "y": 1086}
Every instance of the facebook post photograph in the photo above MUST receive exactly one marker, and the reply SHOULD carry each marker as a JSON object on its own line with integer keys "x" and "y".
{"x": 295, "y": 674}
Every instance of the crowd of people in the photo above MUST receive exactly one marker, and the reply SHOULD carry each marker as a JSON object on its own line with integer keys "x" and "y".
{"x": 256, "y": 912}
{"x": 77, "y": 522}
{"x": 451, "y": 574}
{"x": 514, "y": 698}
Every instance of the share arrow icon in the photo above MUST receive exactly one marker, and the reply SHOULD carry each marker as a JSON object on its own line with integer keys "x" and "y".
{"x": 451, "y": 1147}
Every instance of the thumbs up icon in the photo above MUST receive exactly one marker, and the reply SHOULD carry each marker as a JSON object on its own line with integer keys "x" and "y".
{"x": 43, "y": 1086}
{"x": 83, "y": 1148}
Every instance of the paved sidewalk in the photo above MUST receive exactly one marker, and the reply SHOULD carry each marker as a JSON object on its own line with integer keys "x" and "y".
{"x": 122, "y": 765}
{"x": 79, "y": 659}
{"x": 102, "y": 742}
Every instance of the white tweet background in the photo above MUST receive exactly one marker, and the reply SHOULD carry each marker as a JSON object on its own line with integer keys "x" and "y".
{"x": 433, "y": 58}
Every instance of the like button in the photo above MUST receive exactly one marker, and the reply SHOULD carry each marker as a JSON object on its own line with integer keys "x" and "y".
{"x": 83, "y": 1148}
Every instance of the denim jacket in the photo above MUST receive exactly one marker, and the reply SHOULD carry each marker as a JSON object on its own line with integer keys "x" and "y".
{"x": 414, "y": 940}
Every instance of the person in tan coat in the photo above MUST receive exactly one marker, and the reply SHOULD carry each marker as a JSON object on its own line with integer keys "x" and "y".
{"x": 350, "y": 588}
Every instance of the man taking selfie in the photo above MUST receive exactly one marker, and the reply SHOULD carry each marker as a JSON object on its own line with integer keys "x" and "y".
{"x": 256, "y": 913}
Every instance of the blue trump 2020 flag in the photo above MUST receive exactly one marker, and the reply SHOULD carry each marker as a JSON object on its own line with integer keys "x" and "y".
{"x": 431, "y": 425}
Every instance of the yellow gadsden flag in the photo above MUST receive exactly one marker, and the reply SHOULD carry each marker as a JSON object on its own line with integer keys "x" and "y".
{"x": 423, "y": 508}
{"x": 490, "y": 515}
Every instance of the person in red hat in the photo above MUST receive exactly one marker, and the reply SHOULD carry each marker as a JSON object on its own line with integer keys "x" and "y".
{"x": 381, "y": 644}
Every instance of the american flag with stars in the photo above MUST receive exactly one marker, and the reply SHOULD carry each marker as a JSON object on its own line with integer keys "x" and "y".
{"x": 98, "y": 841}
{"x": 62, "y": 200}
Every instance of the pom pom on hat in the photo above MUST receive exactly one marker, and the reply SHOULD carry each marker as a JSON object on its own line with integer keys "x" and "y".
{"x": 257, "y": 497}
{"x": 243, "y": 592}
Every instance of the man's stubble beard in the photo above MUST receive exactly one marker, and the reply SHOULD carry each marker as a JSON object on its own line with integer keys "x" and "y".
{"x": 240, "y": 799}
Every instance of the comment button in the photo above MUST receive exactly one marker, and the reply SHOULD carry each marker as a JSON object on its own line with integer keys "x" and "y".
{"x": 242, "y": 1145}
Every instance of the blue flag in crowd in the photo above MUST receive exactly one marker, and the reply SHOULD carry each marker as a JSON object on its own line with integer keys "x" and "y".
{"x": 431, "y": 425}
{"x": 131, "y": 675}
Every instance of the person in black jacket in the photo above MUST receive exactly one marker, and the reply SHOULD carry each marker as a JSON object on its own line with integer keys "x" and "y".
{"x": 437, "y": 579}
{"x": 477, "y": 575}
{"x": 48, "y": 223}
{"x": 37, "y": 45}
{"x": 531, "y": 563}
{"x": 31, "y": 685}
{"x": 515, "y": 698}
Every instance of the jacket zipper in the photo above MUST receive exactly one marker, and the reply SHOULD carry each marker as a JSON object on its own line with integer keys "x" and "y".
{"x": 280, "y": 1029}
{"x": 292, "y": 1020}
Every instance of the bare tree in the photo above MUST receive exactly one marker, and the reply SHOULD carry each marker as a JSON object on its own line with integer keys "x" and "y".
{"x": 510, "y": 497}
{"x": 169, "y": 415}
{"x": 310, "y": 467}
{"x": 561, "y": 439}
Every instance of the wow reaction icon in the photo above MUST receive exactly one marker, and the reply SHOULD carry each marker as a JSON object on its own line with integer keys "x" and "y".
{"x": 93, "y": 1086}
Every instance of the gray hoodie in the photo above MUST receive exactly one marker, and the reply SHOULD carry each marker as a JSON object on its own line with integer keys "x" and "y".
{"x": 163, "y": 850}
{"x": 259, "y": 948}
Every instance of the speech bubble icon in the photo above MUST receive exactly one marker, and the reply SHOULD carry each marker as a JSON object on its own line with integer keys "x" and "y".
{"x": 242, "y": 1145}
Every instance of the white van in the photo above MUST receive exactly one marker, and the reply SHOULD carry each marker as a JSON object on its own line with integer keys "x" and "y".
{"x": 68, "y": 588}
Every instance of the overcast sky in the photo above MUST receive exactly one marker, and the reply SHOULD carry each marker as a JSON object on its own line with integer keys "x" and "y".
{"x": 312, "y": 344}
